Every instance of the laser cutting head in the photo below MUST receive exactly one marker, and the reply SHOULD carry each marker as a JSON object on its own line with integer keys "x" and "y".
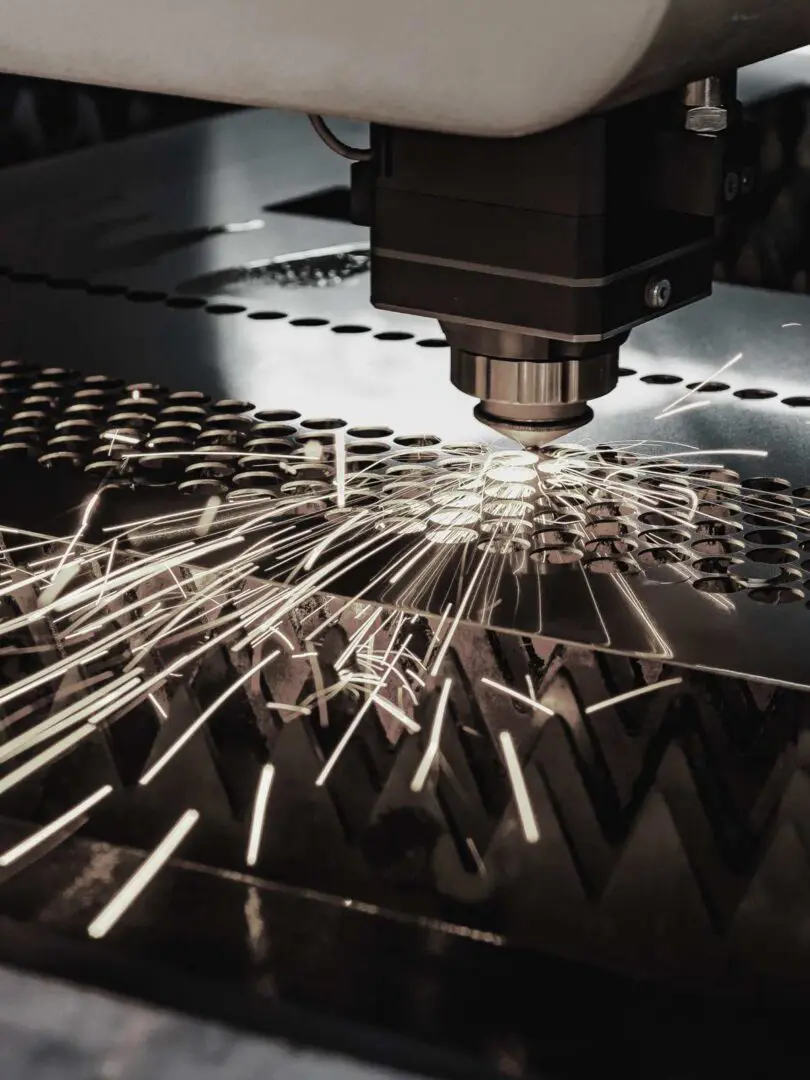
{"x": 536, "y": 398}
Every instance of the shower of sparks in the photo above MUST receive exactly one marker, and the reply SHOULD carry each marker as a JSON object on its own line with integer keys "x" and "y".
{"x": 132, "y": 889}
{"x": 55, "y": 827}
{"x": 630, "y": 694}
{"x": 525, "y": 811}
{"x": 259, "y": 812}
{"x": 432, "y": 748}
{"x": 410, "y": 530}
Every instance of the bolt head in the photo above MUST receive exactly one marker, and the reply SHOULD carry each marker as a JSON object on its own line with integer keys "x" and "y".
{"x": 658, "y": 293}
{"x": 706, "y": 119}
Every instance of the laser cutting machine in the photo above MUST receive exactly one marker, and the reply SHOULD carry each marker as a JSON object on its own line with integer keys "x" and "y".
{"x": 542, "y": 177}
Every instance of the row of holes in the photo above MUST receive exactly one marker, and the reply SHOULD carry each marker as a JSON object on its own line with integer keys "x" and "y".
{"x": 189, "y": 303}
{"x": 748, "y": 394}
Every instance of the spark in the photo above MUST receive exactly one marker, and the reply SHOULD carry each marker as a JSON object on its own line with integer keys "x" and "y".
{"x": 45, "y": 757}
{"x": 708, "y": 379}
{"x": 56, "y": 826}
{"x": 85, "y": 521}
{"x": 302, "y": 655}
{"x": 157, "y": 706}
{"x": 259, "y": 811}
{"x": 280, "y": 707}
{"x": 350, "y": 730}
{"x": 134, "y": 886}
{"x": 432, "y": 748}
{"x": 340, "y": 467}
{"x": 518, "y": 781}
{"x": 208, "y": 516}
{"x": 516, "y": 694}
{"x": 192, "y": 729}
{"x": 682, "y": 409}
{"x": 639, "y": 692}
{"x": 785, "y": 325}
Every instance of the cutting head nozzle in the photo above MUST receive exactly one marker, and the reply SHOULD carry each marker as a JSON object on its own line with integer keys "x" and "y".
{"x": 546, "y": 426}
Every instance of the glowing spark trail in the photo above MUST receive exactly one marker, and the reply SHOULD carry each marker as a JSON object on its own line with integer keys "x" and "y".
{"x": 432, "y": 748}
{"x": 518, "y": 781}
{"x": 132, "y": 889}
{"x": 192, "y": 729}
{"x": 639, "y": 692}
{"x": 706, "y": 381}
{"x": 259, "y": 811}
{"x": 530, "y": 701}
{"x": 56, "y": 826}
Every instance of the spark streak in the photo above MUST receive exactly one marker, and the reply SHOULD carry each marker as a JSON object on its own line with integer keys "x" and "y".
{"x": 516, "y": 694}
{"x": 132, "y": 889}
{"x": 518, "y": 781}
{"x": 259, "y": 811}
{"x": 630, "y": 694}
{"x": 56, "y": 826}
{"x": 432, "y": 748}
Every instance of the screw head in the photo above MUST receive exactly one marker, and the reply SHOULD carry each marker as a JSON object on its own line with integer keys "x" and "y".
{"x": 658, "y": 293}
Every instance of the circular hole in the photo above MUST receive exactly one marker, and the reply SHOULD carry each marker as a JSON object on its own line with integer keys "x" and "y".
{"x": 715, "y": 565}
{"x": 723, "y": 545}
{"x": 267, "y": 315}
{"x": 556, "y": 555}
{"x": 432, "y": 343}
{"x": 225, "y": 309}
{"x": 797, "y": 402}
{"x": 769, "y": 519}
{"x": 611, "y": 566}
{"x": 754, "y": 393}
{"x": 707, "y": 387}
{"x": 503, "y": 546}
{"x": 624, "y": 372}
{"x": 269, "y": 430}
{"x": 369, "y": 448}
{"x": 309, "y": 322}
{"x": 146, "y": 296}
{"x": 258, "y": 478}
{"x": 351, "y": 328}
{"x": 231, "y": 421}
{"x": 608, "y": 546}
{"x": 717, "y": 585}
{"x": 776, "y": 594}
{"x": 279, "y": 416}
{"x": 202, "y": 486}
{"x": 324, "y": 423}
{"x": 370, "y": 433}
{"x": 607, "y": 527}
{"x": 232, "y": 406}
{"x": 417, "y": 440}
{"x": 773, "y": 555}
{"x": 772, "y": 484}
{"x": 508, "y": 491}
{"x": 661, "y": 556}
{"x": 61, "y": 458}
{"x": 393, "y": 335}
{"x": 209, "y": 470}
{"x": 507, "y": 528}
{"x": 724, "y": 510}
{"x": 416, "y": 457}
{"x": 770, "y": 537}
{"x": 665, "y": 536}
{"x": 661, "y": 380}
{"x": 717, "y": 528}
{"x": 185, "y": 302}
{"x": 190, "y": 397}
{"x": 455, "y": 516}
{"x": 801, "y": 492}
{"x": 104, "y": 288}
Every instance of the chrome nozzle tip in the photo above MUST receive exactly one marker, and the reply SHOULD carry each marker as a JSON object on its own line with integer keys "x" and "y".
{"x": 533, "y": 434}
